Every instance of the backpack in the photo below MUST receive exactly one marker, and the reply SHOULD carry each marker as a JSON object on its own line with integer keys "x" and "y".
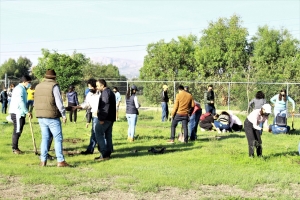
{"x": 203, "y": 116}
{"x": 281, "y": 120}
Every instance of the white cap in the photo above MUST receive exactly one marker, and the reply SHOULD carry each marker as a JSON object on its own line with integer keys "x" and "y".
{"x": 267, "y": 108}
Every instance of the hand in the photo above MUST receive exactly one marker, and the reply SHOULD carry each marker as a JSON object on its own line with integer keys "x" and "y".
{"x": 75, "y": 107}
{"x": 211, "y": 101}
{"x": 29, "y": 115}
{"x": 101, "y": 122}
{"x": 64, "y": 119}
{"x": 87, "y": 125}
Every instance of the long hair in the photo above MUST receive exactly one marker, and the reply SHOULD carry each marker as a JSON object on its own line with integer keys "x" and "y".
{"x": 280, "y": 96}
{"x": 129, "y": 93}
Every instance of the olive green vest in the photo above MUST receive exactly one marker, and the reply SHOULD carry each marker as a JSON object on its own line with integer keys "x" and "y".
{"x": 44, "y": 101}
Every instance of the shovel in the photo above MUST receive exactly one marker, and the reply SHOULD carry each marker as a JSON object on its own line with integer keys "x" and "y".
{"x": 33, "y": 140}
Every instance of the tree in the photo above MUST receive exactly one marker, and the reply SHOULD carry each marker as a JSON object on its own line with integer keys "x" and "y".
{"x": 15, "y": 68}
{"x": 274, "y": 55}
{"x": 222, "y": 50}
{"x": 67, "y": 69}
{"x": 168, "y": 62}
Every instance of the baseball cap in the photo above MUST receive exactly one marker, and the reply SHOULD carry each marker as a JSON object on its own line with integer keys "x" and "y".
{"x": 267, "y": 108}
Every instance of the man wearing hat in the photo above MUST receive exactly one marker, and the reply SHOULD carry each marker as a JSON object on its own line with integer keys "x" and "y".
{"x": 49, "y": 108}
{"x": 252, "y": 128}
{"x": 164, "y": 104}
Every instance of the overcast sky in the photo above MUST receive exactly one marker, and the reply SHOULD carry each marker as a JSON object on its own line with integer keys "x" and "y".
{"x": 122, "y": 29}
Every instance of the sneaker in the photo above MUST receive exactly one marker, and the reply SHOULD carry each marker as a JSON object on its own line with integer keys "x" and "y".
{"x": 100, "y": 158}
{"x": 17, "y": 151}
{"x": 86, "y": 152}
{"x": 170, "y": 141}
{"x": 218, "y": 130}
{"x": 223, "y": 131}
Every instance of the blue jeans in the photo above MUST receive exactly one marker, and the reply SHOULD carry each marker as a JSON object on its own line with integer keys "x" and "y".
{"x": 210, "y": 108}
{"x": 165, "y": 111}
{"x": 104, "y": 132}
{"x": 53, "y": 126}
{"x": 193, "y": 124}
{"x": 184, "y": 120}
{"x": 221, "y": 126}
{"x": 30, "y": 105}
{"x": 131, "y": 119}
{"x": 4, "y": 107}
{"x": 93, "y": 140}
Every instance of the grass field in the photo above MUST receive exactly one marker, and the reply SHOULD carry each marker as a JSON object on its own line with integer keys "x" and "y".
{"x": 210, "y": 168}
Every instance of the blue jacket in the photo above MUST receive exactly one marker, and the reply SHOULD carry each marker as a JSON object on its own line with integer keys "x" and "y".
{"x": 18, "y": 101}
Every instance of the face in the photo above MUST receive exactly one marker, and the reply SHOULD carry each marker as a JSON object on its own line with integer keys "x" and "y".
{"x": 27, "y": 84}
{"x": 264, "y": 113}
{"x": 100, "y": 86}
{"x": 114, "y": 90}
{"x": 282, "y": 94}
{"x": 209, "y": 88}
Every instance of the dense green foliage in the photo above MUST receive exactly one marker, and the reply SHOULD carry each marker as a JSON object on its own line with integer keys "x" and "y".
{"x": 15, "y": 68}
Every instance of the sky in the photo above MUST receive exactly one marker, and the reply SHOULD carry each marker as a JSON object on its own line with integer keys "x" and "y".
{"x": 123, "y": 29}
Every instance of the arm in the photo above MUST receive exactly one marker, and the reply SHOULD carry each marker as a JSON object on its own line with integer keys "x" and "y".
{"x": 292, "y": 101}
{"x": 136, "y": 103}
{"x": 58, "y": 101}
{"x": 76, "y": 99}
{"x": 274, "y": 98}
{"x": 176, "y": 104}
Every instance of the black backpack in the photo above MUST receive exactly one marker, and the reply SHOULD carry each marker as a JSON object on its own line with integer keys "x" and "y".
{"x": 281, "y": 120}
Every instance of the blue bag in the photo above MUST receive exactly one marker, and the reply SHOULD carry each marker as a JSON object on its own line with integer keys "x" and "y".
{"x": 279, "y": 129}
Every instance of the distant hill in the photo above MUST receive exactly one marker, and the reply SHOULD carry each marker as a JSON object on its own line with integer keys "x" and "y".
{"x": 128, "y": 68}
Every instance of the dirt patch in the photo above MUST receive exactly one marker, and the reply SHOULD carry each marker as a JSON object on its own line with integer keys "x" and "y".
{"x": 11, "y": 188}
{"x": 74, "y": 140}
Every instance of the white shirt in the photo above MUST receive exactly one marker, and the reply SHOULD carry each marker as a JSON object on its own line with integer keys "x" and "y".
{"x": 235, "y": 120}
{"x": 91, "y": 101}
{"x": 255, "y": 118}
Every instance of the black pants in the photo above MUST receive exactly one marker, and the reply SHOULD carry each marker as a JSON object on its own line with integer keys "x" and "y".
{"x": 236, "y": 127}
{"x": 4, "y": 107}
{"x": 72, "y": 112}
{"x": 254, "y": 139}
{"x": 18, "y": 128}
{"x": 184, "y": 120}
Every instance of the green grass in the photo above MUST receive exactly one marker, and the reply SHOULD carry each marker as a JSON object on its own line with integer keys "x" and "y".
{"x": 206, "y": 162}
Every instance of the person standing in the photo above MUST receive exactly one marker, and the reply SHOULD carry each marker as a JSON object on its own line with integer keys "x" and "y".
{"x": 164, "y": 104}
{"x": 118, "y": 101}
{"x": 72, "y": 101}
{"x": 9, "y": 92}
{"x": 30, "y": 98}
{"x": 4, "y": 100}
{"x": 91, "y": 103}
{"x": 209, "y": 100}
{"x": 132, "y": 106}
{"x": 280, "y": 102}
{"x": 48, "y": 109}
{"x": 252, "y": 128}
{"x": 18, "y": 111}
{"x": 183, "y": 108}
{"x": 106, "y": 117}
{"x": 258, "y": 101}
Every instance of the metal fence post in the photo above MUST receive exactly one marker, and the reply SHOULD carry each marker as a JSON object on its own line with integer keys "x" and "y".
{"x": 174, "y": 96}
{"x": 228, "y": 98}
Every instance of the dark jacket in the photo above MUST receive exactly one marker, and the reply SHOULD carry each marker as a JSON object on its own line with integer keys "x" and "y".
{"x": 209, "y": 96}
{"x": 164, "y": 96}
{"x": 107, "y": 106}
{"x": 72, "y": 97}
{"x": 130, "y": 106}
{"x": 4, "y": 96}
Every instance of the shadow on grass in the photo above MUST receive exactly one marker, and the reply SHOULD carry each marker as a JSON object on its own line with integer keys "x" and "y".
{"x": 217, "y": 136}
{"x": 282, "y": 154}
{"x": 146, "y": 150}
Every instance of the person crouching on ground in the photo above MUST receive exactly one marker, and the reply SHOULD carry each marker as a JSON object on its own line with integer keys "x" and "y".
{"x": 208, "y": 122}
{"x": 252, "y": 128}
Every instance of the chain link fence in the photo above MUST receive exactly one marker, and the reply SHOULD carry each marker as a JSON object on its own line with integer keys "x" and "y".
{"x": 228, "y": 95}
